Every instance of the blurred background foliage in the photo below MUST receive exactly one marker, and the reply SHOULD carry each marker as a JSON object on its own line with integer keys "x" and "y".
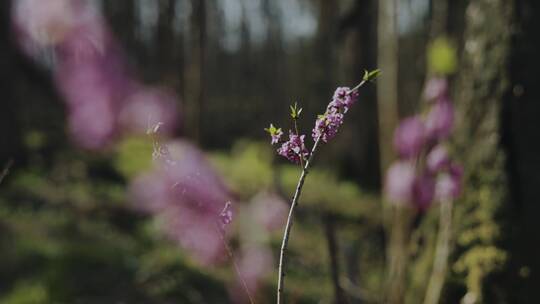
{"x": 68, "y": 233}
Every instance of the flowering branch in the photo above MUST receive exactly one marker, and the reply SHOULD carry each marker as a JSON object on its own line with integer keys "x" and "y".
{"x": 423, "y": 175}
{"x": 325, "y": 128}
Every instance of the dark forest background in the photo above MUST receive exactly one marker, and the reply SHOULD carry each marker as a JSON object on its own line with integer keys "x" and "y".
{"x": 67, "y": 234}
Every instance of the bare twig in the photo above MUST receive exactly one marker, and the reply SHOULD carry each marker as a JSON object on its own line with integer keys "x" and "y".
{"x": 284, "y": 243}
{"x": 296, "y": 197}
{"x": 442, "y": 251}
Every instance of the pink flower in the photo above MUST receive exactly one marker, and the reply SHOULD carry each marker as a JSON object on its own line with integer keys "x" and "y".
{"x": 276, "y": 136}
{"x": 275, "y": 133}
{"x": 92, "y": 124}
{"x": 327, "y": 126}
{"x": 196, "y": 232}
{"x": 270, "y": 210}
{"x": 440, "y": 121}
{"x": 437, "y": 159}
{"x": 399, "y": 182}
{"x": 294, "y": 149}
{"x": 409, "y": 137}
{"x": 424, "y": 191}
{"x": 449, "y": 184}
{"x": 45, "y": 22}
{"x": 447, "y": 187}
{"x": 146, "y": 107}
{"x": 439, "y": 179}
{"x": 342, "y": 100}
{"x": 435, "y": 89}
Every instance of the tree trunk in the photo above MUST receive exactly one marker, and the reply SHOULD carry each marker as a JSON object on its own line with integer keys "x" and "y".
{"x": 165, "y": 50}
{"x": 481, "y": 85}
{"x": 387, "y": 84}
{"x": 396, "y": 219}
{"x": 196, "y": 72}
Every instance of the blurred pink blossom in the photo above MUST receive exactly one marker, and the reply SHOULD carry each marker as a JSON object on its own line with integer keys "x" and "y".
{"x": 186, "y": 193}
{"x": 196, "y": 231}
{"x": 92, "y": 124}
{"x": 146, "y": 107}
{"x": 254, "y": 264}
{"x": 399, "y": 183}
{"x": 434, "y": 176}
{"x": 45, "y": 22}
{"x": 437, "y": 159}
{"x": 440, "y": 120}
{"x": 424, "y": 191}
{"x": 436, "y": 88}
{"x": 409, "y": 137}
{"x": 447, "y": 187}
{"x": 103, "y": 99}
{"x": 270, "y": 210}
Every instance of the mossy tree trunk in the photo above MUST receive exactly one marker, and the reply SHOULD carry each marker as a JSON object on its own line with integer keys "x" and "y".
{"x": 479, "y": 94}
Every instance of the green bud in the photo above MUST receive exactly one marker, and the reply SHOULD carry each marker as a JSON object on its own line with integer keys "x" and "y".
{"x": 295, "y": 111}
{"x": 371, "y": 75}
{"x": 272, "y": 130}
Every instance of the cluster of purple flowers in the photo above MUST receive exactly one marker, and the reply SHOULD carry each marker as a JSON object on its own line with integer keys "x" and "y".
{"x": 424, "y": 172}
{"x": 294, "y": 149}
{"x": 326, "y": 126}
{"x": 343, "y": 99}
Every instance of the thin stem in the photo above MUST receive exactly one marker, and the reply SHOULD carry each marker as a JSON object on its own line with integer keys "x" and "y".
{"x": 298, "y": 134}
{"x": 296, "y": 197}
{"x": 288, "y": 226}
{"x": 442, "y": 251}
{"x": 235, "y": 265}
{"x": 356, "y": 88}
